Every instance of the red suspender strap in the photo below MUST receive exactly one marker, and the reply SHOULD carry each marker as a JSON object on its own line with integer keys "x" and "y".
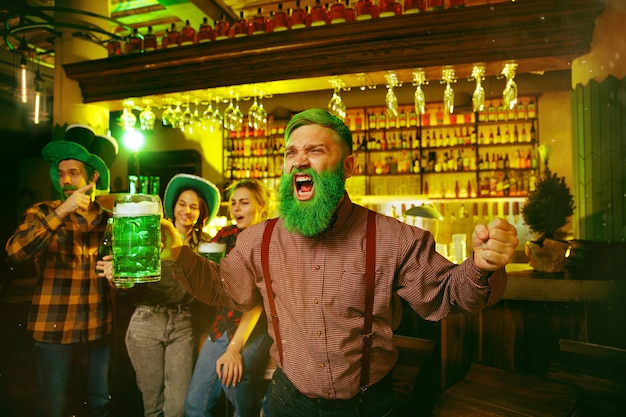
{"x": 370, "y": 280}
{"x": 265, "y": 249}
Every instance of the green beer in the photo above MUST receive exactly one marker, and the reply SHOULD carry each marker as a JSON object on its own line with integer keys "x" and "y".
{"x": 212, "y": 250}
{"x": 136, "y": 239}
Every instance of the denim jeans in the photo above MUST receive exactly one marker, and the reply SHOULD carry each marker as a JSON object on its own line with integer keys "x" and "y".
{"x": 160, "y": 346}
{"x": 287, "y": 401}
{"x": 206, "y": 388}
{"x": 54, "y": 362}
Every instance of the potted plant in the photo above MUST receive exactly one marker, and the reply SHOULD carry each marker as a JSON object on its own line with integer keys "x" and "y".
{"x": 546, "y": 211}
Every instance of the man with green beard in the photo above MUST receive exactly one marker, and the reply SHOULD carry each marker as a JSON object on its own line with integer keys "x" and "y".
{"x": 330, "y": 275}
{"x": 70, "y": 312}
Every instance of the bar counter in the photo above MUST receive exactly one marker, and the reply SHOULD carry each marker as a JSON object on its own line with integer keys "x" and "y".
{"x": 526, "y": 284}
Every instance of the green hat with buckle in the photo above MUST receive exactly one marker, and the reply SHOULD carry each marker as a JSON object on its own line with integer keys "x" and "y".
{"x": 82, "y": 144}
{"x": 206, "y": 189}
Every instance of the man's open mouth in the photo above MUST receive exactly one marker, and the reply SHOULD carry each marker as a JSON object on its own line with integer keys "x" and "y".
{"x": 303, "y": 185}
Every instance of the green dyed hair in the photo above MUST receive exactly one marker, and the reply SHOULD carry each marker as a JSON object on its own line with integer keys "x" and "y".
{"x": 323, "y": 118}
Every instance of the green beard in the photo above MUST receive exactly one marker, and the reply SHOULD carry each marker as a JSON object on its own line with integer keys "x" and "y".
{"x": 310, "y": 218}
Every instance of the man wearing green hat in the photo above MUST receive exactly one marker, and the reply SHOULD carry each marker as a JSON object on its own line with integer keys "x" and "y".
{"x": 71, "y": 307}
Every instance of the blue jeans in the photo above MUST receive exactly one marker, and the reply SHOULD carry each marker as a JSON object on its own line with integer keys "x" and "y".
{"x": 54, "y": 362}
{"x": 160, "y": 346}
{"x": 287, "y": 401}
{"x": 206, "y": 388}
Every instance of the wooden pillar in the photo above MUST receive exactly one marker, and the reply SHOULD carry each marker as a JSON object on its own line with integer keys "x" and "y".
{"x": 68, "y": 106}
{"x": 599, "y": 130}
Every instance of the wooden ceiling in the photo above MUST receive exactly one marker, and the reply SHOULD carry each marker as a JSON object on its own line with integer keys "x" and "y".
{"x": 539, "y": 36}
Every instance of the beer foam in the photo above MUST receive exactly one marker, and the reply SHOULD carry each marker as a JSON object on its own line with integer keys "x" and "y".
{"x": 211, "y": 247}
{"x": 141, "y": 208}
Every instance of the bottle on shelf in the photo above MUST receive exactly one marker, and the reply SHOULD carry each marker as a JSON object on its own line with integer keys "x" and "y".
{"x": 364, "y": 9}
{"x": 318, "y": 14}
{"x": 187, "y": 34}
{"x": 149, "y": 41}
{"x": 338, "y": 12}
{"x": 114, "y": 47}
{"x": 412, "y": 6}
{"x": 280, "y": 19}
{"x": 222, "y": 28}
{"x": 298, "y": 17}
{"x": 259, "y": 23}
{"x": 350, "y": 12}
{"x": 135, "y": 43}
{"x": 530, "y": 110}
{"x": 205, "y": 32}
{"x": 173, "y": 37}
{"x": 241, "y": 26}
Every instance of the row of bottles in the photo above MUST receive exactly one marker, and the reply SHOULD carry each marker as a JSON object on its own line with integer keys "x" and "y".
{"x": 254, "y": 167}
{"x": 248, "y": 146}
{"x": 279, "y": 20}
{"x": 498, "y": 184}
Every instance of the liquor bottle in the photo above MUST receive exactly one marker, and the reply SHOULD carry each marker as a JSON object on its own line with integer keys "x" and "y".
{"x": 105, "y": 247}
{"x": 402, "y": 119}
{"x": 298, "y": 17}
{"x": 511, "y": 113}
{"x": 507, "y": 136}
{"x": 530, "y": 110}
{"x": 338, "y": 12}
{"x": 318, "y": 14}
{"x": 412, "y": 6}
{"x": 498, "y": 138}
{"x": 533, "y": 134}
{"x": 364, "y": 9}
{"x": 382, "y": 121}
{"x": 350, "y": 12}
{"x": 515, "y": 135}
{"x": 280, "y": 19}
{"x": 259, "y": 23}
{"x": 241, "y": 27}
{"x": 372, "y": 121}
{"x": 187, "y": 34}
{"x": 135, "y": 43}
{"x": 506, "y": 186}
{"x": 205, "y": 32}
{"x": 114, "y": 47}
{"x": 388, "y": 8}
{"x": 524, "y": 137}
{"x": 501, "y": 112}
{"x": 173, "y": 37}
{"x": 149, "y": 40}
{"x": 521, "y": 110}
{"x": 222, "y": 28}
{"x": 492, "y": 114}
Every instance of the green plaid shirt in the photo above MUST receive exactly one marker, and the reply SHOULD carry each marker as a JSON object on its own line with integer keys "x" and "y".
{"x": 70, "y": 304}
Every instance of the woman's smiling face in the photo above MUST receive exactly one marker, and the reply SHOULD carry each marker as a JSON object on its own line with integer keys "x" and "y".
{"x": 187, "y": 209}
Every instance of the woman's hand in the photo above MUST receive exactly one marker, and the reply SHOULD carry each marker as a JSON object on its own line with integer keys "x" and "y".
{"x": 229, "y": 367}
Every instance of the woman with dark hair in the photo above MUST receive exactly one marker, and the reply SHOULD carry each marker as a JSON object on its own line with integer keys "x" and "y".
{"x": 234, "y": 356}
{"x": 160, "y": 339}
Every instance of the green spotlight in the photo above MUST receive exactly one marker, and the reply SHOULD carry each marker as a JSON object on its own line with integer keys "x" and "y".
{"x": 133, "y": 140}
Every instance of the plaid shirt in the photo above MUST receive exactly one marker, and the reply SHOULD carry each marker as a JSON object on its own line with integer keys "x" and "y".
{"x": 70, "y": 304}
{"x": 226, "y": 319}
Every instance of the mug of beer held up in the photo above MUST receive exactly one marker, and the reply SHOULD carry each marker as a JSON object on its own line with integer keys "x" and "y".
{"x": 136, "y": 238}
{"x": 212, "y": 250}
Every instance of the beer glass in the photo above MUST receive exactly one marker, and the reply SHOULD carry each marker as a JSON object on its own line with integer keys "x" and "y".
{"x": 212, "y": 250}
{"x": 136, "y": 238}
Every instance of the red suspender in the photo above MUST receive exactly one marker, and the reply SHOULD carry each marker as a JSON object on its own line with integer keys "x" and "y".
{"x": 370, "y": 280}
{"x": 265, "y": 250}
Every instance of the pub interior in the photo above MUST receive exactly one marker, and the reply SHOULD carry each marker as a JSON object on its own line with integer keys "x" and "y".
{"x": 565, "y": 62}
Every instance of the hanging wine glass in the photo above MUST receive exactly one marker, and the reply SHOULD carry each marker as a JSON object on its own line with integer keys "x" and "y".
{"x": 447, "y": 77}
{"x": 166, "y": 115}
{"x": 391, "y": 100}
{"x": 237, "y": 120}
{"x": 336, "y": 105}
{"x": 261, "y": 114}
{"x": 478, "y": 97}
{"x": 128, "y": 118}
{"x": 509, "y": 95}
{"x": 186, "y": 116}
{"x": 419, "y": 79}
{"x": 147, "y": 116}
{"x": 176, "y": 117}
{"x": 252, "y": 114}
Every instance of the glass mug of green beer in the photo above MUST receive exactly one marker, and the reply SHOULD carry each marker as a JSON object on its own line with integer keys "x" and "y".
{"x": 136, "y": 238}
{"x": 212, "y": 250}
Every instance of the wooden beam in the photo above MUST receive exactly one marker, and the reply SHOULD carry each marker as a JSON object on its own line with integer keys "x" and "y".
{"x": 535, "y": 34}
